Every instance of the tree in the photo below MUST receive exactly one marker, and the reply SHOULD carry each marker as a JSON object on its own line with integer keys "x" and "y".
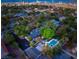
{"x": 54, "y": 17}
{"x": 41, "y": 19}
{"x": 21, "y": 30}
{"x": 22, "y": 21}
{"x": 37, "y": 24}
{"x": 67, "y": 11}
{"x": 14, "y": 45}
{"x": 71, "y": 27}
{"x": 45, "y": 49}
{"x": 50, "y": 25}
{"x": 50, "y": 52}
{"x": 8, "y": 37}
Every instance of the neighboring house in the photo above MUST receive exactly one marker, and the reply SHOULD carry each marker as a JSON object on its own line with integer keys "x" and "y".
{"x": 22, "y": 42}
{"x": 15, "y": 51}
{"x": 56, "y": 22}
{"x": 37, "y": 14}
{"x": 62, "y": 18}
{"x": 42, "y": 57}
{"x": 4, "y": 50}
{"x": 32, "y": 53}
{"x": 27, "y": 10}
{"x": 20, "y": 14}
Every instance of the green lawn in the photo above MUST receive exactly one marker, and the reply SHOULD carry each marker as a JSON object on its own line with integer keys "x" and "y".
{"x": 47, "y": 33}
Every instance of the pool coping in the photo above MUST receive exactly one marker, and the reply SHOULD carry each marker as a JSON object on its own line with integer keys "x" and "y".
{"x": 50, "y": 41}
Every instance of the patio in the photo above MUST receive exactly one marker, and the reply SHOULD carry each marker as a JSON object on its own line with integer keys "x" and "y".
{"x": 39, "y": 46}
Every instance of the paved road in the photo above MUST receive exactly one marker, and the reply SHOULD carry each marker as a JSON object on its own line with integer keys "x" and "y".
{"x": 69, "y": 54}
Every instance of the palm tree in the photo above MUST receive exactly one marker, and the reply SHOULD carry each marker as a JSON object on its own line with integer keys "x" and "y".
{"x": 50, "y": 52}
{"x": 51, "y": 25}
{"x": 32, "y": 44}
{"x": 54, "y": 17}
{"x": 47, "y": 51}
{"x": 37, "y": 24}
{"x": 30, "y": 38}
{"x": 41, "y": 19}
{"x": 5, "y": 20}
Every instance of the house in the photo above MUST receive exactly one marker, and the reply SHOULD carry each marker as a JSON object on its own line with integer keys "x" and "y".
{"x": 42, "y": 57}
{"x": 32, "y": 53}
{"x": 56, "y": 22}
{"x": 20, "y": 15}
{"x": 4, "y": 50}
{"x": 62, "y": 18}
{"x": 34, "y": 33}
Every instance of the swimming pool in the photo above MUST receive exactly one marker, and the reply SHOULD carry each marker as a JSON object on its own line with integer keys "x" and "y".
{"x": 53, "y": 42}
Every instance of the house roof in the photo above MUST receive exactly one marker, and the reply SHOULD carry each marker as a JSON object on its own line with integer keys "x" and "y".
{"x": 56, "y": 22}
{"x": 34, "y": 33}
{"x": 42, "y": 57}
{"x": 32, "y": 53}
{"x": 20, "y": 14}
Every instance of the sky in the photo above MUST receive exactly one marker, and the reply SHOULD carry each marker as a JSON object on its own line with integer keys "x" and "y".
{"x": 65, "y": 1}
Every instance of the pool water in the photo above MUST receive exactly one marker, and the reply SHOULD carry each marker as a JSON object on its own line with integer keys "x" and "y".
{"x": 52, "y": 43}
